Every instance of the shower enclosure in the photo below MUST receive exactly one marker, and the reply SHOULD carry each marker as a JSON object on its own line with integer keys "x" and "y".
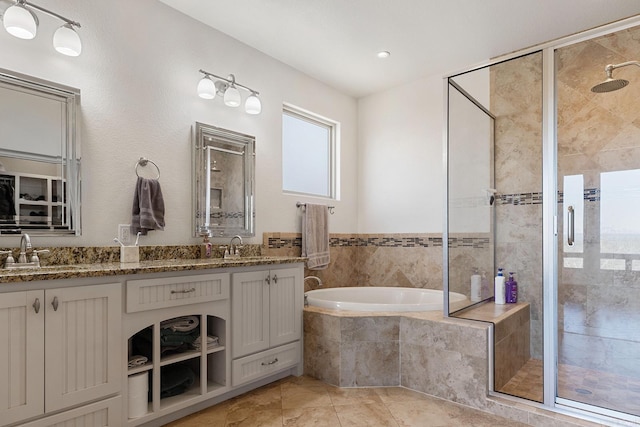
{"x": 544, "y": 180}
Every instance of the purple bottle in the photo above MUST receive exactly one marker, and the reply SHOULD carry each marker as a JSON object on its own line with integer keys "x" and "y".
{"x": 511, "y": 290}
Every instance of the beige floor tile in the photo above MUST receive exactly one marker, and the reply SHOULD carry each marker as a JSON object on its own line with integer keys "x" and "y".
{"x": 310, "y": 417}
{"x": 365, "y": 416}
{"x": 267, "y": 418}
{"x": 354, "y": 396}
{"x": 305, "y": 397}
{"x": 398, "y": 394}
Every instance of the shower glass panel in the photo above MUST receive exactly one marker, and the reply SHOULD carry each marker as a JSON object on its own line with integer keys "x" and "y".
{"x": 598, "y": 136}
{"x": 494, "y": 215}
{"x": 471, "y": 196}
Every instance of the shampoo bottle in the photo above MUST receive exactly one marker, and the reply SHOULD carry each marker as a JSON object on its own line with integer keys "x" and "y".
{"x": 511, "y": 290}
{"x": 498, "y": 289}
{"x": 476, "y": 286}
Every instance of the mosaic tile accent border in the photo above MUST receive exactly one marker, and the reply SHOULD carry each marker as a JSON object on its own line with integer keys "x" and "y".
{"x": 384, "y": 241}
{"x": 535, "y": 198}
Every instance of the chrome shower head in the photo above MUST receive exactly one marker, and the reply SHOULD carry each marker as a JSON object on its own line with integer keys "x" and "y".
{"x": 611, "y": 84}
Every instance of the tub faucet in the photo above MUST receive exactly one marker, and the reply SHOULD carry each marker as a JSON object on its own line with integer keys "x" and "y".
{"x": 316, "y": 278}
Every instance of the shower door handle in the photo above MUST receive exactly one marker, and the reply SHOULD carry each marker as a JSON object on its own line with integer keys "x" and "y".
{"x": 571, "y": 229}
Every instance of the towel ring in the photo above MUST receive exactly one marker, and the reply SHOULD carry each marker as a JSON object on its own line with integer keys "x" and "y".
{"x": 143, "y": 162}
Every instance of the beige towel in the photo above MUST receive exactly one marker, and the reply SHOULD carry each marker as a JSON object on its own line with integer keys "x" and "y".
{"x": 315, "y": 236}
{"x": 148, "y": 207}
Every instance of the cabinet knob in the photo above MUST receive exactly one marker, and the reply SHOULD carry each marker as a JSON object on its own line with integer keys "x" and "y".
{"x": 275, "y": 278}
{"x": 268, "y": 280}
{"x": 36, "y": 305}
{"x": 54, "y": 303}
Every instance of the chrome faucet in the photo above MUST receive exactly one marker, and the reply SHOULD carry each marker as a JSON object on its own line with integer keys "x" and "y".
{"x": 25, "y": 245}
{"x": 25, "y": 250}
{"x": 233, "y": 252}
{"x": 317, "y": 279}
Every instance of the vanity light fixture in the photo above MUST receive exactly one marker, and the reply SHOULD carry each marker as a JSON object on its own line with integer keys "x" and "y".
{"x": 208, "y": 88}
{"x": 20, "y": 21}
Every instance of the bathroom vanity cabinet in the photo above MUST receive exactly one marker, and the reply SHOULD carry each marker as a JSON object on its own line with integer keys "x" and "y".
{"x": 65, "y": 344}
{"x": 61, "y": 347}
{"x": 267, "y": 315}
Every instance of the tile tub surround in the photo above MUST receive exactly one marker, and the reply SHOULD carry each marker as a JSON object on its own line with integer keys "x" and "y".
{"x": 407, "y": 260}
{"x": 442, "y": 357}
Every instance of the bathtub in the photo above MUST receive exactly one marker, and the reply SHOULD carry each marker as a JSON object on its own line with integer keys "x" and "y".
{"x": 374, "y": 298}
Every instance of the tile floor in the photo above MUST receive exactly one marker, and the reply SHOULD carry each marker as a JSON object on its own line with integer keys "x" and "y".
{"x": 304, "y": 401}
{"x": 584, "y": 385}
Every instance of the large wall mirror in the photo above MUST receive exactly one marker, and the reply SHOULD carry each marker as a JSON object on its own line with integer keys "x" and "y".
{"x": 223, "y": 164}
{"x": 39, "y": 157}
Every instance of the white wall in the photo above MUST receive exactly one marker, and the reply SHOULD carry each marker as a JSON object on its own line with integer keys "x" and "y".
{"x": 138, "y": 74}
{"x": 400, "y": 178}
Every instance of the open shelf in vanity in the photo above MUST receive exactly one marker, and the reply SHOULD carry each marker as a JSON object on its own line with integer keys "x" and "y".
{"x": 184, "y": 364}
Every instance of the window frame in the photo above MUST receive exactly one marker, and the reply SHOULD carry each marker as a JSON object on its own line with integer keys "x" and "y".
{"x": 334, "y": 130}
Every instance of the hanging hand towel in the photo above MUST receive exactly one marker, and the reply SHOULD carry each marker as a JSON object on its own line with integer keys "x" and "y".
{"x": 315, "y": 236}
{"x": 148, "y": 207}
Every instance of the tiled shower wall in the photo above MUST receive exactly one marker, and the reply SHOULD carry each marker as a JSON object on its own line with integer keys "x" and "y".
{"x": 516, "y": 102}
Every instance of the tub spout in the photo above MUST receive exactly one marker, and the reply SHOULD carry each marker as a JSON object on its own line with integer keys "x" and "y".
{"x": 316, "y": 278}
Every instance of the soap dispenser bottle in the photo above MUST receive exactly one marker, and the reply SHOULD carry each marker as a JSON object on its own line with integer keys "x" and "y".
{"x": 476, "y": 286}
{"x": 498, "y": 288}
{"x": 205, "y": 248}
{"x": 511, "y": 290}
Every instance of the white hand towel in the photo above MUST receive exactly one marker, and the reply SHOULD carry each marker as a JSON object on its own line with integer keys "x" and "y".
{"x": 315, "y": 236}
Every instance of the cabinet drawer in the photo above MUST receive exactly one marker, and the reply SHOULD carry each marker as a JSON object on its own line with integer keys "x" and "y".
{"x": 267, "y": 362}
{"x": 150, "y": 294}
{"x": 106, "y": 413}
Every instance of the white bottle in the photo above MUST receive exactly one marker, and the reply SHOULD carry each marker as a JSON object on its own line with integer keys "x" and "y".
{"x": 476, "y": 286}
{"x": 498, "y": 289}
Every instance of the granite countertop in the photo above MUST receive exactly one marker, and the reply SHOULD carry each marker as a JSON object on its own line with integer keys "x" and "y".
{"x": 115, "y": 268}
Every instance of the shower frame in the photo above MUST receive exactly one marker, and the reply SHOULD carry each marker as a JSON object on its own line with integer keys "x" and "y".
{"x": 551, "y": 401}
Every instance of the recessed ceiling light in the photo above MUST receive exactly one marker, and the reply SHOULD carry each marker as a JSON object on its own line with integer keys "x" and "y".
{"x": 384, "y": 54}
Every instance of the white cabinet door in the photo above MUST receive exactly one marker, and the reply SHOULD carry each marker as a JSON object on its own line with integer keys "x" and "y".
{"x": 21, "y": 355}
{"x": 83, "y": 344}
{"x": 286, "y": 302}
{"x": 250, "y": 312}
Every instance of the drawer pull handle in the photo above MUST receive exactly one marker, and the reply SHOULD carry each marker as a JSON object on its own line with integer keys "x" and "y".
{"x": 184, "y": 291}
{"x": 36, "y": 305}
{"x": 273, "y": 362}
{"x": 54, "y": 303}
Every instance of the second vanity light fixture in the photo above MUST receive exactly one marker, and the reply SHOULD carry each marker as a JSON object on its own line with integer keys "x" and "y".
{"x": 228, "y": 88}
{"x": 20, "y": 21}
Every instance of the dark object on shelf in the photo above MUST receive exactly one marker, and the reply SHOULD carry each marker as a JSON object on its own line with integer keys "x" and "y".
{"x": 7, "y": 203}
{"x": 175, "y": 379}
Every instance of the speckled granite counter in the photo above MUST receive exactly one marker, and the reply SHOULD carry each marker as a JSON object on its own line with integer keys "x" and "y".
{"x": 115, "y": 268}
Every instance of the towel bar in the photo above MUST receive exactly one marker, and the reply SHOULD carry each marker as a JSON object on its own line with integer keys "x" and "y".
{"x": 304, "y": 205}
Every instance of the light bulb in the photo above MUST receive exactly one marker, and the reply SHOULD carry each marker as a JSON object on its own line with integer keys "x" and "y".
{"x": 232, "y": 97}
{"x": 253, "y": 105}
{"x": 66, "y": 41}
{"x": 206, "y": 88}
{"x": 20, "y": 22}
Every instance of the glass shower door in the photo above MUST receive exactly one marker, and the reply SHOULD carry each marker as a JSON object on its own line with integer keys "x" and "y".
{"x": 598, "y": 229}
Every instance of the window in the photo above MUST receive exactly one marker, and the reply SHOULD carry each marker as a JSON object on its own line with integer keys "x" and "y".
{"x": 308, "y": 153}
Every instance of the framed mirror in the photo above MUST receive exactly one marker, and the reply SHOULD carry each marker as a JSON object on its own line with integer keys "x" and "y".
{"x": 39, "y": 156}
{"x": 223, "y": 178}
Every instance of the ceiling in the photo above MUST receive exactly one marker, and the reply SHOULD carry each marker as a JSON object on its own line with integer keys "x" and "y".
{"x": 336, "y": 41}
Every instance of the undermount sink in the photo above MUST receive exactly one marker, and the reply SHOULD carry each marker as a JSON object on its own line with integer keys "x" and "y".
{"x": 43, "y": 268}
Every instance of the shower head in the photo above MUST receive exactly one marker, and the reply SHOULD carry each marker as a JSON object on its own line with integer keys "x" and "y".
{"x": 611, "y": 84}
